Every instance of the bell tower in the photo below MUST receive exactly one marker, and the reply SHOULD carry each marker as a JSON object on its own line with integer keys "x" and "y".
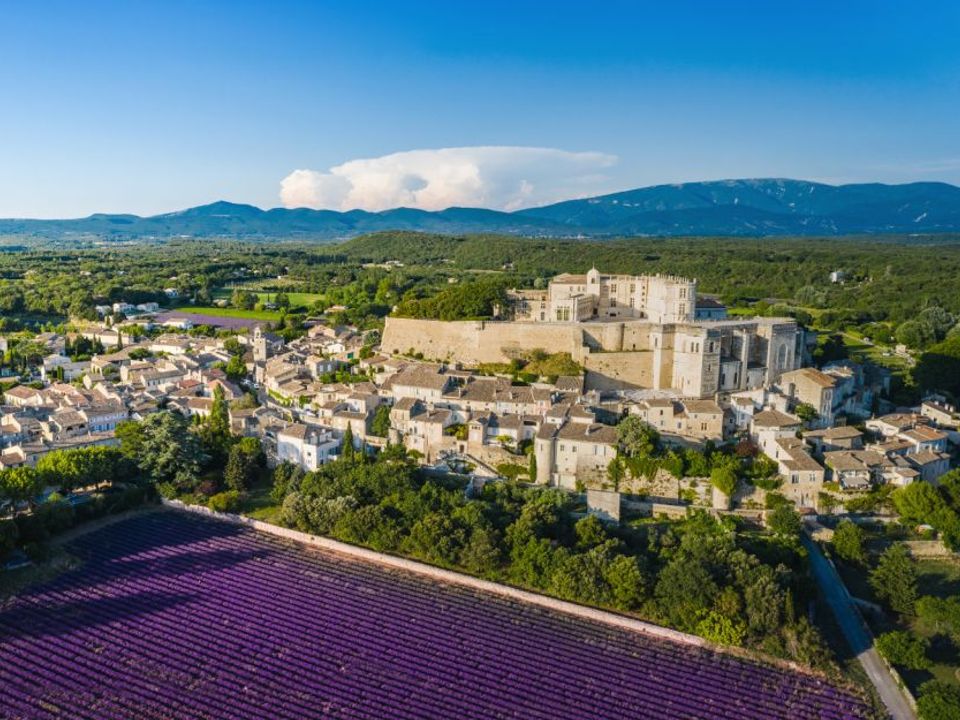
{"x": 259, "y": 345}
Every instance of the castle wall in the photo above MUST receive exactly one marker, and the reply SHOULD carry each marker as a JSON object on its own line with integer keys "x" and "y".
{"x": 619, "y": 370}
{"x": 479, "y": 341}
{"x": 628, "y": 354}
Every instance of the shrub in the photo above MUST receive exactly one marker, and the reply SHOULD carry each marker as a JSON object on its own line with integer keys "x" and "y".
{"x": 848, "y": 542}
{"x": 228, "y": 501}
{"x": 724, "y": 479}
{"x": 902, "y": 648}
{"x": 167, "y": 490}
{"x": 938, "y": 701}
{"x": 784, "y": 521}
{"x": 722, "y": 630}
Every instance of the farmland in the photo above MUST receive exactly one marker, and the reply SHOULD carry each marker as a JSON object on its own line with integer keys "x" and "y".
{"x": 226, "y": 320}
{"x": 173, "y": 616}
{"x": 228, "y": 312}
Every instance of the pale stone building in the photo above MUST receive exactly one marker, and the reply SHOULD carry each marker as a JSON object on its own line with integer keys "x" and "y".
{"x": 814, "y": 388}
{"x": 306, "y": 446}
{"x": 574, "y": 451}
{"x": 568, "y": 297}
{"x": 682, "y": 421}
{"x": 627, "y": 332}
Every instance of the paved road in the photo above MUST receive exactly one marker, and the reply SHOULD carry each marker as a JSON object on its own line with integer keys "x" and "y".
{"x": 857, "y": 636}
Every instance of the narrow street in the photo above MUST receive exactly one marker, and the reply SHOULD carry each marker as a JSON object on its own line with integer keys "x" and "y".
{"x": 859, "y": 640}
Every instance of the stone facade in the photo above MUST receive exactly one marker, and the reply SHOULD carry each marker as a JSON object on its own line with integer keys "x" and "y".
{"x": 694, "y": 359}
{"x": 659, "y": 298}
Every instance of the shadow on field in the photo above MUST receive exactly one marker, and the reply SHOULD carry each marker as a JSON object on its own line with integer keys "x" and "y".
{"x": 55, "y": 619}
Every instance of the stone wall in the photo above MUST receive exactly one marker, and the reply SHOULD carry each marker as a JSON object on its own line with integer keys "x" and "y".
{"x": 619, "y": 370}
{"x": 479, "y": 341}
{"x": 928, "y": 549}
{"x": 617, "y": 354}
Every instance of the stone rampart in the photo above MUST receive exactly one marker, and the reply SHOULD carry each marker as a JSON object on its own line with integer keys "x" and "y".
{"x": 479, "y": 341}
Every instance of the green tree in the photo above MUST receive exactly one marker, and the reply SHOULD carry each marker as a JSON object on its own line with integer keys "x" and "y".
{"x": 938, "y": 701}
{"x": 243, "y": 464}
{"x": 437, "y": 538}
{"x": 685, "y": 589}
{"x": 482, "y": 554}
{"x": 941, "y": 615}
{"x": 806, "y": 412}
{"x": 915, "y": 334}
{"x": 615, "y": 472}
{"x": 724, "y": 479}
{"x": 130, "y": 435}
{"x": 637, "y": 438}
{"x": 784, "y": 521}
{"x": 918, "y": 502}
{"x": 939, "y": 367}
{"x": 848, "y": 542}
{"x": 590, "y": 532}
{"x": 215, "y": 432}
{"x": 69, "y": 469}
{"x": 236, "y": 368}
{"x": 20, "y": 484}
{"x": 169, "y": 452}
{"x": 895, "y": 579}
{"x": 902, "y": 648}
{"x": 347, "y": 452}
{"x": 628, "y": 582}
{"x": 380, "y": 425}
{"x": 720, "y": 629}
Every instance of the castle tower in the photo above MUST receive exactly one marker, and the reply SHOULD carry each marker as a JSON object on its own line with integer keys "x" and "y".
{"x": 593, "y": 281}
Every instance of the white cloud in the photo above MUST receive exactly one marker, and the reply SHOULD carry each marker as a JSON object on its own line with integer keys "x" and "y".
{"x": 502, "y": 178}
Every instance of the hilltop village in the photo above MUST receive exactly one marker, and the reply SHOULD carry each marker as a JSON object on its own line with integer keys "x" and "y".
{"x": 540, "y": 393}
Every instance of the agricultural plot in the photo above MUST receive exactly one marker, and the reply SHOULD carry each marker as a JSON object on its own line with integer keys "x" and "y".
{"x": 172, "y": 616}
{"x": 229, "y": 318}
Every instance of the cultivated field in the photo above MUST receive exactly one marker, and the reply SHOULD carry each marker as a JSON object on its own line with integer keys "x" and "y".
{"x": 172, "y": 616}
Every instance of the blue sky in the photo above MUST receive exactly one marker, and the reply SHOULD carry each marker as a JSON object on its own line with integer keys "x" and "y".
{"x": 151, "y": 107}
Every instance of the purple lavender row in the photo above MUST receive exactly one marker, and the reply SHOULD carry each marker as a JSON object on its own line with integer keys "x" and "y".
{"x": 245, "y": 596}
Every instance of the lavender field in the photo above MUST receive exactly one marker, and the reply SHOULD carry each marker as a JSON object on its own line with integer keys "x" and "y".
{"x": 173, "y": 616}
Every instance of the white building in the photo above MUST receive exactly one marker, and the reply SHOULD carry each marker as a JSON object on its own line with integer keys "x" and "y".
{"x": 307, "y": 446}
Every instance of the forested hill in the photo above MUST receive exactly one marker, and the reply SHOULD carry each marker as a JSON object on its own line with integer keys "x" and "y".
{"x": 888, "y": 280}
{"x": 762, "y": 207}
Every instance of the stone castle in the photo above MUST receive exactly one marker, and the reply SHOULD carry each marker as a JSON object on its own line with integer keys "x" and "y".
{"x": 627, "y": 331}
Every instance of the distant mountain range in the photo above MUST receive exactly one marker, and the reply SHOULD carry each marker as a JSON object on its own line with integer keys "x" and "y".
{"x": 726, "y": 207}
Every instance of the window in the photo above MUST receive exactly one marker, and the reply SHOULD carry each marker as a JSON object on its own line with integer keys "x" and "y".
{"x": 613, "y": 288}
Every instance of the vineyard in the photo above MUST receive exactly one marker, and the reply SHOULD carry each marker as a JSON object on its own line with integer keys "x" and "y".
{"x": 172, "y": 616}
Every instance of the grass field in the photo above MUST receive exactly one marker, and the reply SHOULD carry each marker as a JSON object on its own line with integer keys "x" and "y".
{"x": 235, "y": 312}
{"x": 882, "y": 355}
{"x": 940, "y": 578}
{"x": 297, "y": 299}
